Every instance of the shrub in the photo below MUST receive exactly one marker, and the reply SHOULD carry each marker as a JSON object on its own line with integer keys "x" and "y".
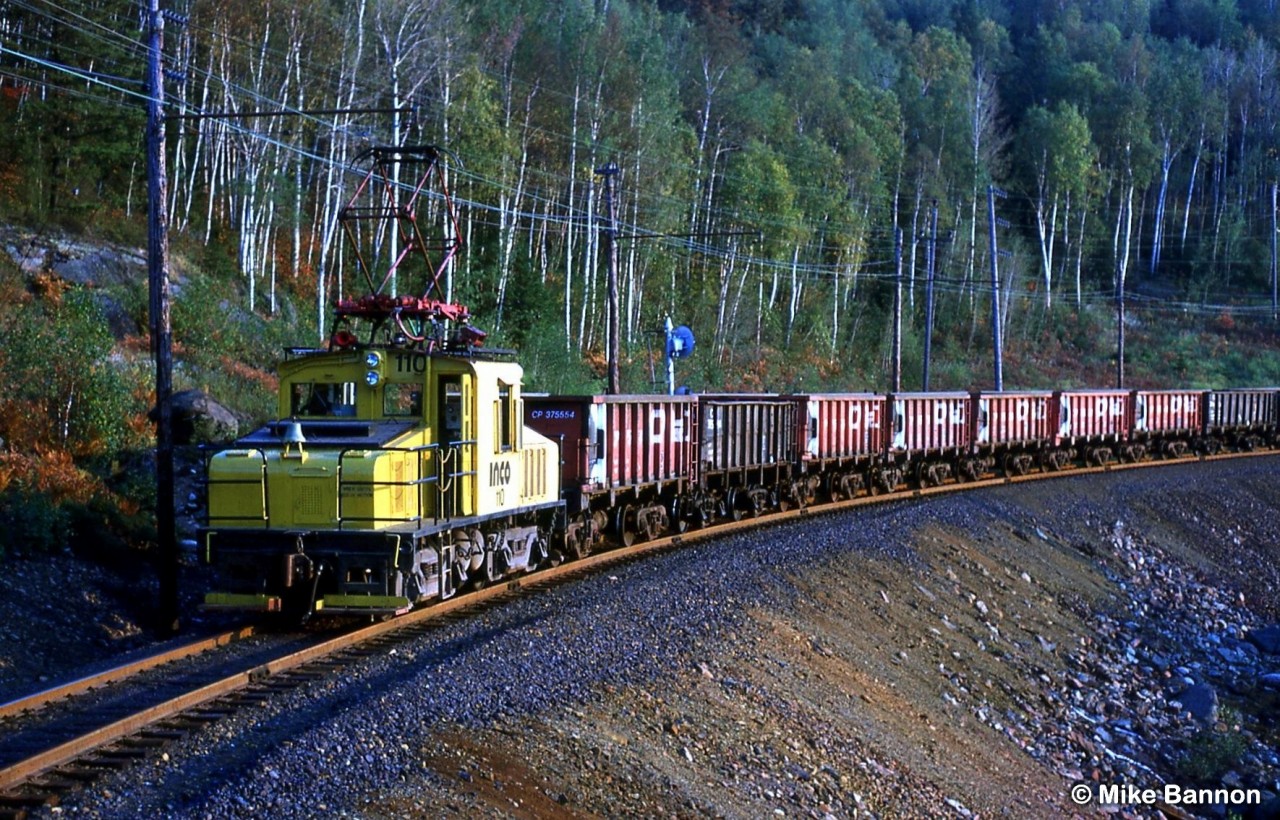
{"x": 31, "y": 522}
{"x": 1211, "y": 753}
{"x": 62, "y": 376}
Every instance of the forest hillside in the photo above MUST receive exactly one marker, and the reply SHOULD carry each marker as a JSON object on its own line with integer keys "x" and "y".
{"x": 785, "y": 170}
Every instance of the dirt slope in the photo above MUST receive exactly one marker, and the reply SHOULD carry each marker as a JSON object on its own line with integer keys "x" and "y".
{"x": 1009, "y": 661}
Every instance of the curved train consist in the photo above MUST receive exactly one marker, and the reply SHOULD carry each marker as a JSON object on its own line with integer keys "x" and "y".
{"x": 409, "y": 463}
{"x": 396, "y": 476}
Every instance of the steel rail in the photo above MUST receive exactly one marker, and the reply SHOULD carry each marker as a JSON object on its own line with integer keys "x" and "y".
{"x": 36, "y": 700}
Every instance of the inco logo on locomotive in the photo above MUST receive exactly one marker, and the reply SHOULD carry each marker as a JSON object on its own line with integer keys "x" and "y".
{"x": 499, "y": 473}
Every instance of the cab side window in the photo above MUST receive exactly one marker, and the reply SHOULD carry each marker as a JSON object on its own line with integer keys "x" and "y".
{"x": 504, "y": 419}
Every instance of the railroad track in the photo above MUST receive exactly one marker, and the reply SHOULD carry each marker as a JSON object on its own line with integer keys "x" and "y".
{"x": 75, "y": 746}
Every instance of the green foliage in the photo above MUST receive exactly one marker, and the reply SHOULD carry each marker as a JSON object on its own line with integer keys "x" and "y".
{"x": 820, "y": 127}
{"x": 228, "y": 351}
{"x": 551, "y": 367}
{"x": 1211, "y": 753}
{"x": 30, "y": 522}
{"x": 103, "y": 530}
{"x": 1057, "y": 150}
{"x": 60, "y": 363}
{"x": 99, "y": 525}
{"x": 77, "y": 152}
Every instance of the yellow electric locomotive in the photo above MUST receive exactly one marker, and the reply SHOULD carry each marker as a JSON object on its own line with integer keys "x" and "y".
{"x": 393, "y": 476}
{"x": 398, "y": 468}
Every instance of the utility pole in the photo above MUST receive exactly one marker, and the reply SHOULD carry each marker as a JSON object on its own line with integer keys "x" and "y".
{"x": 995, "y": 289}
{"x": 161, "y": 336}
{"x": 1121, "y": 261}
{"x": 610, "y": 172}
{"x": 930, "y": 256}
{"x": 1275, "y": 302}
{"x": 897, "y": 310}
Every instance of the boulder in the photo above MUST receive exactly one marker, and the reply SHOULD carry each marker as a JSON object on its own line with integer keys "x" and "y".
{"x": 1266, "y": 639}
{"x": 1201, "y": 700}
{"x": 99, "y": 266}
{"x": 198, "y": 418}
{"x": 122, "y": 324}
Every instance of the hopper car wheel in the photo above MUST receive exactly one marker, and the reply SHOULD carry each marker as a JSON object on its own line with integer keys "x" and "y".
{"x": 732, "y": 509}
{"x": 578, "y": 537}
{"x": 675, "y": 516}
{"x": 622, "y": 525}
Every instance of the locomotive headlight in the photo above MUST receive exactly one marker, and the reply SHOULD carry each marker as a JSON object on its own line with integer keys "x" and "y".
{"x": 373, "y": 361}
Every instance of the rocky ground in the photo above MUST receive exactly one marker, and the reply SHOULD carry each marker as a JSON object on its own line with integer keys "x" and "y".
{"x": 64, "y": 615}
{"x": 974, "y": 655}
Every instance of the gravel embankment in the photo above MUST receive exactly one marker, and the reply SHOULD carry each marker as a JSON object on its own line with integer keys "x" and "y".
{"x": 967, "y": 655}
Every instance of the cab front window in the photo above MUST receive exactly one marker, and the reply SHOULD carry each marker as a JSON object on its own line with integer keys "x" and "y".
{"x": 402, "y": 399}
{"x": 323, "y": 399}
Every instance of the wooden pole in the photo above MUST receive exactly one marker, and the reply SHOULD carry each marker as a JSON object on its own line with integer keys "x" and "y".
{"x": 931, "y": 258}
{"x": 161, "y": 338}
{"x": 1122, "y": 262}
{"x": 1275, "y": 296}
{"x": 897, "y": 311}
{"x": 998, "y": 353}
{"x": 610, "y": 172}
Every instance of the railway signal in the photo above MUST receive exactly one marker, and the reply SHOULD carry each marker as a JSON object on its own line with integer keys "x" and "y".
{"x": 679, "y": 345}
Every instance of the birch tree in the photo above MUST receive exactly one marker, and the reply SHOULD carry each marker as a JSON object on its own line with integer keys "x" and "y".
{"x": 1057, "y": 151}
